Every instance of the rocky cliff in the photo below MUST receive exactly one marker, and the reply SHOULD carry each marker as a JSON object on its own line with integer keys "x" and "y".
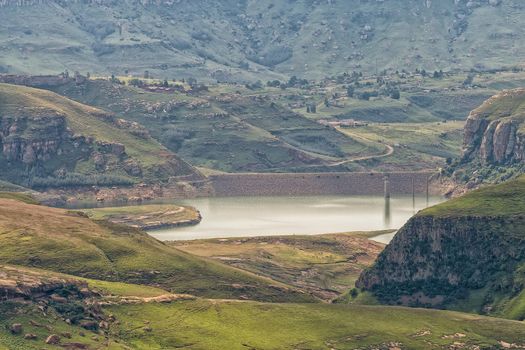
{"x": 470, "y": 250}
{"x": 494, "y": 132}
{"x": 493, "y": 146}
{"x": 49, "y": 141}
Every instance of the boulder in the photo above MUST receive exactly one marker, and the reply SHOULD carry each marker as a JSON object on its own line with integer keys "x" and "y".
{"x": 16, "y": 328}
{"x": 89, "y": 325}
{"x": 53, "y": 339}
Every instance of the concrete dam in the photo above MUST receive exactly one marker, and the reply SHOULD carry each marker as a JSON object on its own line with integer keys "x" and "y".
{"x": 312, "y": 184}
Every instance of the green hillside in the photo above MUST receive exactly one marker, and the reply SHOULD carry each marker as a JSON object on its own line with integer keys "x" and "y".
{"x": 223, "y": 129}
{"x": 231, "y": 40}
{"x": 465, "y": 254}
{"x": 49, "y": 140}
{"x": 128, "y": 317}
{"x": 69, "y": 242}
{"x": 504, "y": 200}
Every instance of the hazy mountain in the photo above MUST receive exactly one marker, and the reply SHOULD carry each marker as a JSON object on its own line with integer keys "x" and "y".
{"x": 264, "y": 39}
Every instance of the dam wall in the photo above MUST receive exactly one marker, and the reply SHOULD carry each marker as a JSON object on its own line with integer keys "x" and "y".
{"x": 231, "y": 185}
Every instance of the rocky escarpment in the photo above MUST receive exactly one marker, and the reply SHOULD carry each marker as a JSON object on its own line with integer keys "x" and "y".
{"x": 468, "y": 250}
{"x": 493, "y": 133}
{"x": 493, "y": 147}
{"x": 43, "y": 145}
{"x": 433, "y": 261}
{"x": 48, "y": 141}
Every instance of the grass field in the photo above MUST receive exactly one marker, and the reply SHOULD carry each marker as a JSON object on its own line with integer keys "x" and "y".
{"x": 325, "y": 265}
{"x": 503, "y": 200}
{"x": 416, "y": 146}
{"x": 240, "y": 325}
{"x": 69, "y": 242}
{"x": 204, "y": 324}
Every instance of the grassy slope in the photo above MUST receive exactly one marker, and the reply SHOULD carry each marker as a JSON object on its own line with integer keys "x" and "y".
{"x": 241, "y": 134}
{"x": 234, "y": 325}
{"x": 19, "y": 100}
{"x": 9, "y": 187}
{"x": 66, "y": 242}
{"x": 215, "y": 324}
{"x": 507, "y": 199}
{"x": 18, "y": 197}
{"x": 324, "y": 265}
{"x": 509, "y": 104}
{"x": 416, "y": 145}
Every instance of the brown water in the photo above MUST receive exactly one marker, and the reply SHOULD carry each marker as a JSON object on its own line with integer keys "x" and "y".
{"x": 264, "y": 216}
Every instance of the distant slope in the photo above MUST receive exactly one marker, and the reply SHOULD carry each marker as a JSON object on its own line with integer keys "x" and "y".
{"x": 465, "y": 254}
{"x": 249, "y": 40}
{"x": 223, "y": 129}
{"x": 50, "y": 141}
{"x": 69, "y": 242}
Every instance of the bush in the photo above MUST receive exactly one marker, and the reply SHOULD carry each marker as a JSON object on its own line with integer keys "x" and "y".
{"x": 80, "y": 180}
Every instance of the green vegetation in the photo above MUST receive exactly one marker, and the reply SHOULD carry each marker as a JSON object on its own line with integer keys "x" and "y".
{"x": 111, "y": 39}
{"x": 22, "y": 197}
{"x": 416, "y": 146}
{"x": 9, "y": 187}
{"x": 211, "y": 324}
{"x": 503, "y": 200}
{"x": 68, "y": 242}
{"x": 233, "y": 131}
{"x": 324, "y": 265}
{"x": 234, "y": 325}
{"x": 56, "y": 142}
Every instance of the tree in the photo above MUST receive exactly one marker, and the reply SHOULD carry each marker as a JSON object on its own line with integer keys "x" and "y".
{"x": 350, "y": 91}
{"x": 468, "y": 80}
{"x": 365, "y": 96}
{"x": 136, "y": 82}
{"x": 293, "y": 81}
{"x": 395, "y": 94}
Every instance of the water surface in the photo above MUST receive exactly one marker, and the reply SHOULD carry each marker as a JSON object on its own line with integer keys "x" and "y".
{"x": 265, "y": 216}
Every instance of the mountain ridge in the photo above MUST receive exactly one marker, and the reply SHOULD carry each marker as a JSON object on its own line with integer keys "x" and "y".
{"x": 250, "y": 40}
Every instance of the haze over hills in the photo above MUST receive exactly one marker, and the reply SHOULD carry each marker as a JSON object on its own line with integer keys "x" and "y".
{"x": 249, "y": 40}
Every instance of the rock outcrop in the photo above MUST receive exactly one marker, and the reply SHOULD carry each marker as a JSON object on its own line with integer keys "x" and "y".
{"x": 493, "y": 133}
{"x": 48, "y": 141}
{"x": 29, "y": 139}
{"x": 432, "y": 261}
{"x": 444, "y": 253}
{"x": 493, "y": 147}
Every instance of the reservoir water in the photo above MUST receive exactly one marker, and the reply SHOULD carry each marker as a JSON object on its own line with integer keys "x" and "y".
{"x": 264, "y": 216}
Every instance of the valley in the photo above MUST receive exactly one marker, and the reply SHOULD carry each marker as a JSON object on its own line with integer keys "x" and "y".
{"x": 72, "y": 307}
{"x": 262, "y": 175}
